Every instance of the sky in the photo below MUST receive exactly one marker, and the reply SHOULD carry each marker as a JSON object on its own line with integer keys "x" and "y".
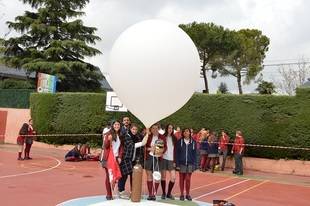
{"x": 285, "y": 22}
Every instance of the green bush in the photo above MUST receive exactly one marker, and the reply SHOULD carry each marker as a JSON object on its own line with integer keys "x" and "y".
{"x": 264, "y": 119}
{"x": 15, "y": 98}
{"x": 16, "y": 84}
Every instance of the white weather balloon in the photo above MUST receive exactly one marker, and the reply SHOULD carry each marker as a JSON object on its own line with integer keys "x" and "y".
{"x": 154, "y": 69}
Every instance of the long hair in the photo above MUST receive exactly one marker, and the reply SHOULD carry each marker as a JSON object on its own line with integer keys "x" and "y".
{"x": 174, "y": 139}
{"x": 115, "y": 133}
{"x": 24, "y": 129}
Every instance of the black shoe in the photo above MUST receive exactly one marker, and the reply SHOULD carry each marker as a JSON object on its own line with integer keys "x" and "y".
{"x": 188, "y": 197}
{"x": 170, "y": 197}
{"x": 234, "y": 172}
{"x": 163, "y": 196}
{"x": 20, "y": 158}
{"x": 182, "y": 197}
{"x": 151, "y": 198}
{"x": 109, "y": 197}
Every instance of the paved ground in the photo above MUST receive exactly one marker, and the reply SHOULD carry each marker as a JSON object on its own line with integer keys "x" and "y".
{"x": 48, "y": 180}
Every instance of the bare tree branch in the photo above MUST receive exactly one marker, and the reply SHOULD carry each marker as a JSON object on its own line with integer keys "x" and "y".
{"x": 293, "y": 77}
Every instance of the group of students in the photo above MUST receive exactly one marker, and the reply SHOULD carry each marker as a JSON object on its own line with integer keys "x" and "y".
{"x": 211, "y": 147}
{"x": 80, "y": 152}
{"x": 179, "y": 153}
{"x": 25, "y": 140}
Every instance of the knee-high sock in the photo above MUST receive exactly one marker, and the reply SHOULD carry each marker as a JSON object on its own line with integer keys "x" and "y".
{"x": 188, "y": 182}
{"x": 204, "y": 160}
{"x": 19, "y": 155}
{"x": 163, "y": 186}
{"x": 181, "y": 182}
{"x": 150, "y": 187}
{"x": 208, "y": 162}
{"x": 171, "y": 184}
{"x": 107, "y": 184}
{"x": 156, "y": 187}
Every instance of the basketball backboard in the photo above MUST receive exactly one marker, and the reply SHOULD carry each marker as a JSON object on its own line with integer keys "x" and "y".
{"x": 113, "y": 104}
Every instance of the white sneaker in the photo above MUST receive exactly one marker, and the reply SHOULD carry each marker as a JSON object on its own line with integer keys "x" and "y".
{"x": 123, "y": 195}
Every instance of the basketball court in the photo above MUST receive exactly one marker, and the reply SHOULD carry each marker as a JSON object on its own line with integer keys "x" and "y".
{"x": 49, "y": 180}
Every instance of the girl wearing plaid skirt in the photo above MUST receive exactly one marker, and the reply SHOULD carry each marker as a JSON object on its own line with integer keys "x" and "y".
{"x": 168, "y": 162}
{"x": 186, "y": 162}
{"x": 152, "y": 159}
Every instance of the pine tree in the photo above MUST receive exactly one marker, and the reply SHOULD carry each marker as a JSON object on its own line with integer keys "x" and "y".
{"x": 222, "y": 89}
{"x": 53, "y": 40}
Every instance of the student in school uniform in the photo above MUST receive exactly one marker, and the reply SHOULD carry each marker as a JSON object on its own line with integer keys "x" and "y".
{"x": 213, "y": 150}
{"x": 112, "y": 140}
{"x": 223, "y": 147}
{"x": 168, "y": 162}
{"x": 204, "y": 147}
{"x": 186, "y": 162}
{"x": 29, "y": 140}
{"x": 152, "y": 157}
{"x": 238, "y": 151}
{"x": 21, "y": 140}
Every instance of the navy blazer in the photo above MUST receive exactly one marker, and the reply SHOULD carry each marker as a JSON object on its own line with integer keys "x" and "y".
{"x": 186, "y": 154}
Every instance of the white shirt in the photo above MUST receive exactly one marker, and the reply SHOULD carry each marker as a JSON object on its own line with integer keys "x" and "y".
{"x": 186, "y": 141}
{"x": 153, "y": 143}
{"x": 115, "y": 146}
{"x": 169, "y": 153}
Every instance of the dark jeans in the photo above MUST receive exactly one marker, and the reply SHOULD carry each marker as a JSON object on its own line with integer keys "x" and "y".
{"x": 224, "y": 153}
{"x": 122, "y": 183}
{"x": 238, "y": 163}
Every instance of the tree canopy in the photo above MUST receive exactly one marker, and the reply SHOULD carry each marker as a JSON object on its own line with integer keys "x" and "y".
{"x": 53, "y": 40}
{"x": 213, "y": 44}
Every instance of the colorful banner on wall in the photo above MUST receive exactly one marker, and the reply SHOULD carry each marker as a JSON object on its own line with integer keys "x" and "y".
{"x": 46, "y": 83}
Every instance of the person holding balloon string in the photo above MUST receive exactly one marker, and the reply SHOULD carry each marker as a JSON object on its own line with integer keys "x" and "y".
{"x": 186, "y": 162}
{"x": 155, "y": 147}
{"x": 131, "y": 143}
{"x": 112, "y": 140}
{"x": 168, "y": 162}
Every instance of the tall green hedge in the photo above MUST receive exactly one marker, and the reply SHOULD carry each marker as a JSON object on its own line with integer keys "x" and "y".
{"x": 71, "y": 113}
{"x": 15, "y": 98}
{"x": 268, "y": 120}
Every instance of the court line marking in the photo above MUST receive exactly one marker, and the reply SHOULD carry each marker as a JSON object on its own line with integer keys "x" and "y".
{"x": 243, "y": 191}
{"x": 224, "y": 188}
{"x": 35, "y": 172}
{"x": 213, "y": 183}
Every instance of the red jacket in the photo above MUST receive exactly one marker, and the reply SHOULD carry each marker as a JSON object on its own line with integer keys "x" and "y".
{"x": 238, "y": 144}
{"x": 224, "y": 142}
{"x": 149, "y": 141}
{"x": 108, "y": 146}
